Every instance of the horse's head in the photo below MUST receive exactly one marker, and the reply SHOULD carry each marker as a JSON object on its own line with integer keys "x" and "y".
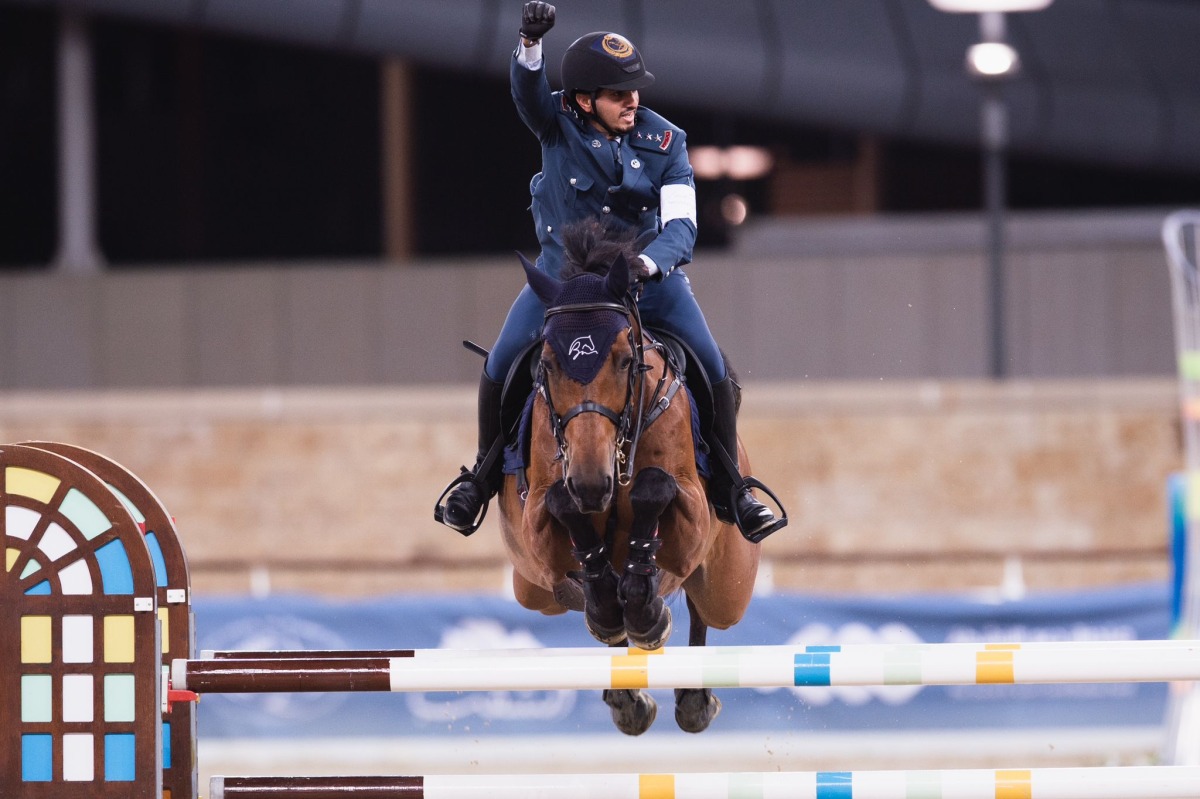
{"x": 588, "y": 370}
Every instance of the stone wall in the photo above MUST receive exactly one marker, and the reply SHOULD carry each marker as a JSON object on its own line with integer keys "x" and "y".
{"x": 890, "y": 486}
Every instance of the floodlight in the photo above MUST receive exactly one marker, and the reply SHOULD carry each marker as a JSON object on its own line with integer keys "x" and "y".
{"x": 990, "y": 60}
{"x": 985, "y": 6}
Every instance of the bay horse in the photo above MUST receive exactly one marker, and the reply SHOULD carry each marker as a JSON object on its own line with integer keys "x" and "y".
{"x": 613, "y": 515}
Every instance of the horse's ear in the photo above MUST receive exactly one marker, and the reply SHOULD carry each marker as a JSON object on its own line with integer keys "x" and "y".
{"x": 617, "y": 280}
{"x": 544, "y": 286}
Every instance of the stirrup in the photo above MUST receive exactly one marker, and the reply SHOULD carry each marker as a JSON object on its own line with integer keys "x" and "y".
{"x": 756, "y": 536}
{"x": 439, "y": 509}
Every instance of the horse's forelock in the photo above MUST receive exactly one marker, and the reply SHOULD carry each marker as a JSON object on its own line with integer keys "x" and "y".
{"x": 591, "y": 247}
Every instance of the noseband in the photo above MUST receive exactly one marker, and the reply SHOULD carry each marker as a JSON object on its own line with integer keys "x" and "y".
{"x": 628, "y": 426}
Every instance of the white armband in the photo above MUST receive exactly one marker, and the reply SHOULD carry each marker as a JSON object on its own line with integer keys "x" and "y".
{"x": 677, "y": 201}
{"x": 530, "y": 57}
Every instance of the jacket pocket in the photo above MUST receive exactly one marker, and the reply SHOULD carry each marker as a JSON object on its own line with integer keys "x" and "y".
{"x": 577, "y": 188}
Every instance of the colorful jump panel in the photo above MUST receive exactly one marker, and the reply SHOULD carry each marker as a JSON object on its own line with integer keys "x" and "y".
{"x": 81, "y": 625}
{"x": 172, "y": 584}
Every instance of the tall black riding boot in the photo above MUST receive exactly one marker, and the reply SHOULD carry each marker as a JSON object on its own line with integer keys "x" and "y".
{"x": 469, "y": 493}
{"x": 728, "y": 489}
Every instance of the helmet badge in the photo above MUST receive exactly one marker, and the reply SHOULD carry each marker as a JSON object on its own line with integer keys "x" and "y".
{"x": 617, "y": 46}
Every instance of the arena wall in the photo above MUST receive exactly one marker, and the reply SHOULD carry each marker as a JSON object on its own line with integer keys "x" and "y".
{"x": 892, "y": 486}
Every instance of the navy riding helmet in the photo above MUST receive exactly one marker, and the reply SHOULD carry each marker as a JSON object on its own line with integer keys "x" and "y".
{"x": 603, "y": 60}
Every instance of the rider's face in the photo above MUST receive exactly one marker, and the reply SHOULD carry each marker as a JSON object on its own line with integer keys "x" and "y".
{"x": 616, "y": 109}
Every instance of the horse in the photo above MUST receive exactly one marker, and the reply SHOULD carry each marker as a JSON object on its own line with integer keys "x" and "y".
{"x": 612, "y": 514}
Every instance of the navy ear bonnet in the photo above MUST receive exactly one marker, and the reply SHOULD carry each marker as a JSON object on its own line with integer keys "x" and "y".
{"x": 582, "y": 341}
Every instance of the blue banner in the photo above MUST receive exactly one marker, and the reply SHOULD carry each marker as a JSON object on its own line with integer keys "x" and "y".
{"x": 492, "y": 622}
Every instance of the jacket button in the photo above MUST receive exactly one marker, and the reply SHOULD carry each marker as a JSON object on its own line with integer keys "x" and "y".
{"x": 606, "y": 209}
{"x": 573, "y": 181}
{"x": 549, "y": 229}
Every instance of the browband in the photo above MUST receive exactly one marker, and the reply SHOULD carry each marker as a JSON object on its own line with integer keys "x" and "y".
{"x": 587, "y": 306}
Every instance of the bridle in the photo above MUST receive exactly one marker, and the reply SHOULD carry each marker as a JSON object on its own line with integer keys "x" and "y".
{"x": 634, "y": 417}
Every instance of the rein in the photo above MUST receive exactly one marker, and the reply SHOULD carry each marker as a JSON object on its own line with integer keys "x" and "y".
{"x": 629, "y": 427}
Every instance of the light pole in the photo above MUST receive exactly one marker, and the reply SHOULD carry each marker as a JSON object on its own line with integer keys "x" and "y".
{"x": 991, "y": 62}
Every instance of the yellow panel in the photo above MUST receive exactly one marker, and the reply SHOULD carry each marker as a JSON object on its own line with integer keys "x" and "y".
{"x": 35, "y": 639}
{"x": 28, "y": 483}
{"x": 1014, "y": 785}
{"x": 630, "y": 671}
{"x": 164, "y": 629}
{"x": 118, "y": 639}
{"x": 10, "y": 557}
{"x": 993, "y": 666}
{"x": 656, "y": 786}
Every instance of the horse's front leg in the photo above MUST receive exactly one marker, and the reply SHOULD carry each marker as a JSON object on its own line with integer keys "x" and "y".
{"x": 695, "y": 708}
{"x": 647, "y": 618}
{"x": 601, "y": 608}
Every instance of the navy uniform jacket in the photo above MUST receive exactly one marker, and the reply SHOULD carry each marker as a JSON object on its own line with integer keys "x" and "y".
{"x": 579, "y": 176}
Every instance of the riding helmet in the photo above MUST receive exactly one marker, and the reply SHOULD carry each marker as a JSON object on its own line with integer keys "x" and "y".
{"x": 603, "y": 60}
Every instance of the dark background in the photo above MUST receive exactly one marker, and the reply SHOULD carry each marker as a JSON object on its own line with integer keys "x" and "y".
{"x": 219, "y": 148}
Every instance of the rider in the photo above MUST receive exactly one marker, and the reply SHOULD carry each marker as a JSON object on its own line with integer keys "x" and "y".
{"x": 606, "y": 156}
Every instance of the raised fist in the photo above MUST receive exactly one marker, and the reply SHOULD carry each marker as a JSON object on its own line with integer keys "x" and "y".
{"x": 536, "y": 19}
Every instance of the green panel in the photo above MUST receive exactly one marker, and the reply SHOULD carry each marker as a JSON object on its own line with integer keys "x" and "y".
{"x": 118, "y": 697}
{"x": 1189, "y": 364}
{"x": 84, "y": 514}
{"x": 133, "y": 510}
{"x": 37, "y": 698}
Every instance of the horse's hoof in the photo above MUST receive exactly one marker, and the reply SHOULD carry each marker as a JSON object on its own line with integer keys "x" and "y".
{"x": 602, "y": 607}
{"x": 632, "y": 711}
{"x": 655, "y": 634}
{"x": 695, "y": 708}
{"x": 612, "y": 636}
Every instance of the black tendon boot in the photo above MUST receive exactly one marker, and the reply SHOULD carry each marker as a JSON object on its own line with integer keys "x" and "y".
{"x": 602, "y": 608}
{"x": 469, "y": 493}
{"x": 728, "y": 490}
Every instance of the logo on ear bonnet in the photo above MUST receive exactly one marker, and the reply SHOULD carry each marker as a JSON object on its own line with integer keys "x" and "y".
{"x": 581, "y": 346}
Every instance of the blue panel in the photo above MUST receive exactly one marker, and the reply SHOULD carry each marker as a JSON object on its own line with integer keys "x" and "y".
{"x": 166, "y": 738}
{"x": 483, "y": 621}
{"x": 812, "y": 668}
{"x": 119, "y": 757}
{"x": 835, "y": 785}
{"x": 40, "y": 589}
{"x": 160, "y": 565}
{"x": 37, "y": 759}
{"x": 115, "y": 572}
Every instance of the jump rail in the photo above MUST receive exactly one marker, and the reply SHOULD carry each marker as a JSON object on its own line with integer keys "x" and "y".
{"x": 1130, "y": 782}
{"x": 704, "y": 667}
{"x": 595, "y": 651}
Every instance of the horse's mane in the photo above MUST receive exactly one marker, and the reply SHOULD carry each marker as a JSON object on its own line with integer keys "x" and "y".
{"x": 590, "y": 247}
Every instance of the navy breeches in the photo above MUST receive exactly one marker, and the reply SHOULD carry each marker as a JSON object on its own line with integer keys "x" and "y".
{"x": 668, "y": 305}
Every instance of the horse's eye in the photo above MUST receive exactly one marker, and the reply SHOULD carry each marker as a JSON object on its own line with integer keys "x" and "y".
{"x": 624, "y": 362}
{"x": 547, "y": 365}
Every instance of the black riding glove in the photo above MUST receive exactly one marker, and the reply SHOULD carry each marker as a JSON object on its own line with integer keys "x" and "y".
{"x": 536, "y": 19}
